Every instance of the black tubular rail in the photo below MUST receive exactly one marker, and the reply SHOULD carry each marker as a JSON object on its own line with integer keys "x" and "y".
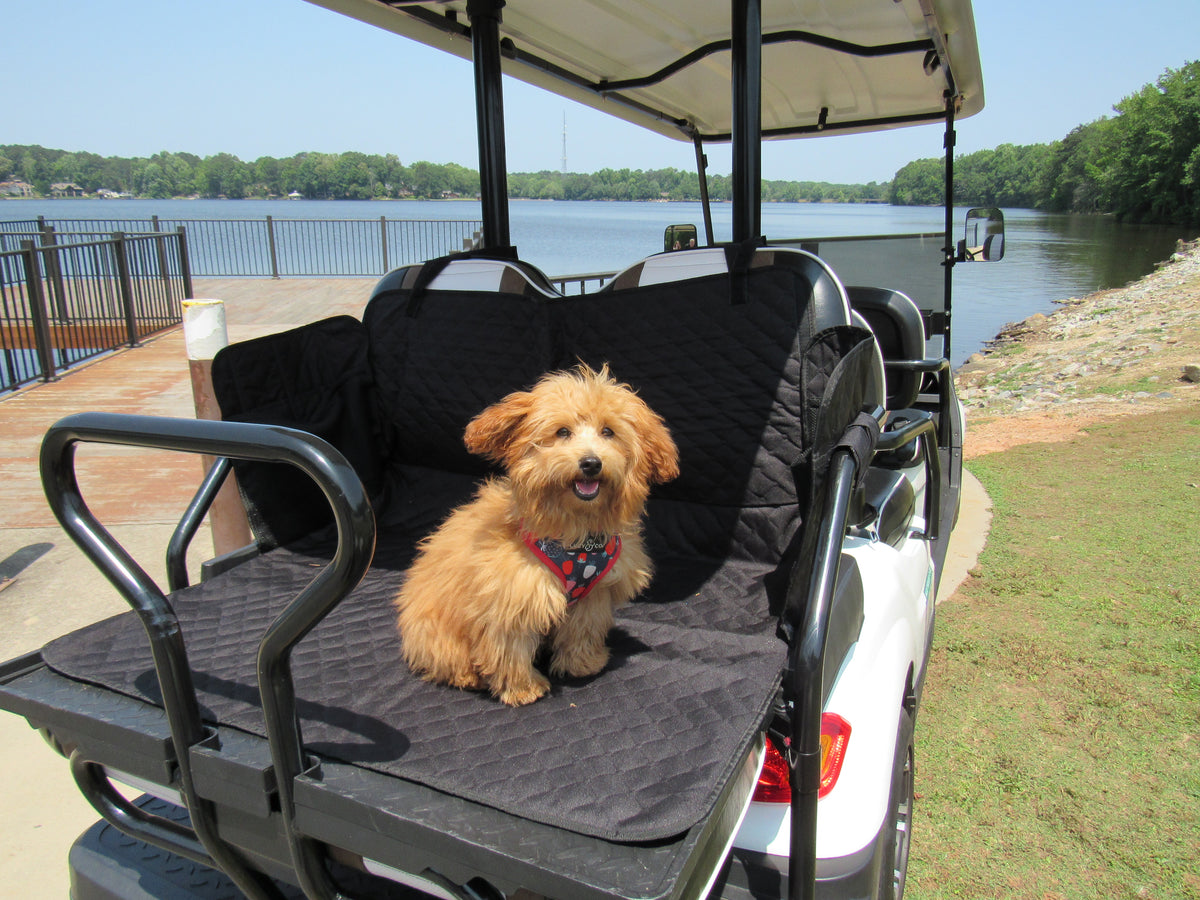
{"x": 93, "y": 782}
{"x": 921, "y": 428}
{"x": 803, "y": 679}
{"x": 355, "y": 524}
{"x": 941, "y": 368}
{"x": 177, "y": 547}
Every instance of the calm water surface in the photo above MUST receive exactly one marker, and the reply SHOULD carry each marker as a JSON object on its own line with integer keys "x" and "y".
{"x": 1048, "y": 257}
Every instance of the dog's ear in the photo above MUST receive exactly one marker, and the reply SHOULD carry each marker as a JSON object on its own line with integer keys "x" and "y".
{"x": 492, "y": 433}
{"x": 658, "y": 453}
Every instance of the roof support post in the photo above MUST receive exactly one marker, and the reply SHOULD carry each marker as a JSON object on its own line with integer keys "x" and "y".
{"x": 747, "y": 118}
{"x": 485, "y": 18}
{"x": 949, "y": 249}
{"x": 702, "y": 172}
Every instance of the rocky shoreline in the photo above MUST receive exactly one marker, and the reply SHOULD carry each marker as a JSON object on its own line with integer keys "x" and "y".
{"x": 1117, "y": 352}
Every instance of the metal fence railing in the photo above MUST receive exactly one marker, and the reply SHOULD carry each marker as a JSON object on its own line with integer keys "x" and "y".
{"x": 572, "y": 285}
{"x": 278, "y": 247}
{"x": 62, "y": 303}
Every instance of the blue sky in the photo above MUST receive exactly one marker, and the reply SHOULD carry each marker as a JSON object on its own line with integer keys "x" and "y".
{"x": 277, "y": 77}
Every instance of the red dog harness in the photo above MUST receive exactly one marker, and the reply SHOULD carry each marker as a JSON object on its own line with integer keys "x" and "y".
{"x": 578, "y": 569}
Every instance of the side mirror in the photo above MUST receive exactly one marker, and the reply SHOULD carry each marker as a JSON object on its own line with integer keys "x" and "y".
{"x": 983, "y": 237}
{"x": 679, "y": 237}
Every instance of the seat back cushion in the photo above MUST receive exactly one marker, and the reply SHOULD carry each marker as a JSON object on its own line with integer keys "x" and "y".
{"x": 900, "y": 332}
{"x": 440, "y": 354}
{"x": 726, "y": 377}
{"x": 314, "y": 378}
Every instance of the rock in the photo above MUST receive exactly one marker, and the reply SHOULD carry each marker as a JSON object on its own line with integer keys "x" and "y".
{"x": 1191, "y": 373}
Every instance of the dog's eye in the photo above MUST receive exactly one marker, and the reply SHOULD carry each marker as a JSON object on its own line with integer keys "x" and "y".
{"x": 606, "y": 431}
{"x": 563, "y": 432}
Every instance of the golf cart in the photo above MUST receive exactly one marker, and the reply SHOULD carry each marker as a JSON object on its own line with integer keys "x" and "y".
{"x": 752, "y": 735}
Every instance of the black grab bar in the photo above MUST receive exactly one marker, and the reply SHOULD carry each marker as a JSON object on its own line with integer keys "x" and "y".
{"x": 355, "y": 523}
{"x": 803, "y": 678}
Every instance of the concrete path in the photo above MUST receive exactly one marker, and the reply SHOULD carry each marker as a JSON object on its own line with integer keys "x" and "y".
{"x": 140, "y": 495}
{"x": 968, "y": 538}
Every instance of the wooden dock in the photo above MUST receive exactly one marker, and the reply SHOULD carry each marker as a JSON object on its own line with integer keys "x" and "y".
{"x": 151, "y": 379}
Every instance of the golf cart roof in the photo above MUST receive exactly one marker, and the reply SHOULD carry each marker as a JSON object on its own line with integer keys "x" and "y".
{"x": 829, "y": 66}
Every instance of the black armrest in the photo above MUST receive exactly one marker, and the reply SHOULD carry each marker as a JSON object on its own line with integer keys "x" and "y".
{"x": 341, "y": 487}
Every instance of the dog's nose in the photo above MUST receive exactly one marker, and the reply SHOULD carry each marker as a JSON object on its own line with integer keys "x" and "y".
{"x": 590, "y": 466}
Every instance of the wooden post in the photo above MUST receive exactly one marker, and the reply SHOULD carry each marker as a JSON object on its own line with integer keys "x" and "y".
{"x": 204, "y": 333}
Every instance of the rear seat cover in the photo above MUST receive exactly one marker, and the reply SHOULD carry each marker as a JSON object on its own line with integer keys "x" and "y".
{"x": 642, "y": 750}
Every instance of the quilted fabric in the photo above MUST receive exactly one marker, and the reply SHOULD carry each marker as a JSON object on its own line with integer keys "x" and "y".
{"x": 635, "y": 753}
{"x": 437, "y": 367}
{"x": 640, "y": 751}
{"x": 314, "y": 378}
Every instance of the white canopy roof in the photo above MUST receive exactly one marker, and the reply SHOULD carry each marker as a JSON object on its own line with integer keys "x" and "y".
{"x": 832, "y": 66}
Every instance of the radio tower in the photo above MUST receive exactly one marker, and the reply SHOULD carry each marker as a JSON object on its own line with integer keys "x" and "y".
{"x": 564, "y": 161}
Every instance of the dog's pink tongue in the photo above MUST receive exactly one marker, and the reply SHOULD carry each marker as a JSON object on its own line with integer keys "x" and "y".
{"x": 587, "y": 488}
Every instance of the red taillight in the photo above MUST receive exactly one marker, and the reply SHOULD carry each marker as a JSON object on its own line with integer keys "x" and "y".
{"x": 835, "y": 736}
{"x": 774, "y": 783}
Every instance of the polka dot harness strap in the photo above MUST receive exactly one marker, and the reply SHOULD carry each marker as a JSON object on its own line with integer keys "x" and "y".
{"x": 578, "y": 569}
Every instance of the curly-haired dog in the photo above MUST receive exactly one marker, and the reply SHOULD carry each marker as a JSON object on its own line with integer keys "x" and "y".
{"x": 546, "y": 552}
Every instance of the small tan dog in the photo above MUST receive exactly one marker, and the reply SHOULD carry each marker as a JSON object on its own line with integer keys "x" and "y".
{"x": 547, "y": 551}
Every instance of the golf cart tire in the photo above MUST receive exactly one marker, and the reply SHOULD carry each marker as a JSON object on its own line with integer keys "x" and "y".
{"x": 897, "y": 831}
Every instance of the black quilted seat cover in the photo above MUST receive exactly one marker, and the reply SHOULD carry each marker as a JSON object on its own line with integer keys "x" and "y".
{"x": 640, "y": 751}
{"x": 636, "y": 753}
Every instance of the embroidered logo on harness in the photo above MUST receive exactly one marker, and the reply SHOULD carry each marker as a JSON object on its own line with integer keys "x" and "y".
{"x": 578, "y": 569}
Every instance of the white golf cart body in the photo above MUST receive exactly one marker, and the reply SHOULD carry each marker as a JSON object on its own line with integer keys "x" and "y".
{"x": 248, "y": 801}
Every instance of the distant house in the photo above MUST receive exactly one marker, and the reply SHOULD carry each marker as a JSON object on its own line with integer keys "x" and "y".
{"x": 295, "y": 195}
{"x": 16, "y": 189}
{"x": 66, "y": 189}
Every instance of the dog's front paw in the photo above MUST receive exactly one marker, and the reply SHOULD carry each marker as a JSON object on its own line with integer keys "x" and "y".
{"x": 524, "y": 692}
{"x": 579, "y": 661}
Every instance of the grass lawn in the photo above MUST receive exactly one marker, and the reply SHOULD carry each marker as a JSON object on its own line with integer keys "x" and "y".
{"x": 1058, "y": 743}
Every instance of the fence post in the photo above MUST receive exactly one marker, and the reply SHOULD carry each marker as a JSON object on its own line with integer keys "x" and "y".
{"x": 54, "y": 272}
{"x": 162, "y": 256}
{"x": 271, "y": 245}
{"x": 37, "y": 308}
{"x": 185, "y": 264}
{"x": 383, "y": 240}
{"x": 126, "y": 284}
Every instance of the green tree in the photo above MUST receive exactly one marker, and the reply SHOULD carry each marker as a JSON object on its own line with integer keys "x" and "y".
{"x": 1076, "y": 171}
{"x": 223, "y": 175}
{"x": 1153, "y": 160}
{"x": 427, "y": 180}
{"x": 919, "y": 183}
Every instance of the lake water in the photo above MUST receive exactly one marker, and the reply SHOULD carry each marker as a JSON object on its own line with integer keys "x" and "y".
{"x": 1048, "y": 257}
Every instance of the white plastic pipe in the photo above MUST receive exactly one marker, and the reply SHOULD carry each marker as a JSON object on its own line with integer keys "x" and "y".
{"x": 204, "y": 331}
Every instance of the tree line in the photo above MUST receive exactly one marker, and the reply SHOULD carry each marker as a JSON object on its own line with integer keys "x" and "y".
{"x": 1143, "y": 164}
{"x": 361, "y": 176}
